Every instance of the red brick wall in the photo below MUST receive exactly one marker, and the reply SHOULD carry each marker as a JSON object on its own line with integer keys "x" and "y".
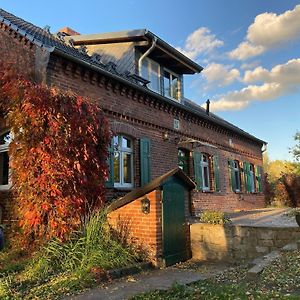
{"x": 143, "y": 229}
{"x": 139, "y": 116}
{"x": 17, "y": 51}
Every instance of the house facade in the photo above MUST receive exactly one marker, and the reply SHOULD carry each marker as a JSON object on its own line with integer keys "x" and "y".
{"x": 138, "y": 80}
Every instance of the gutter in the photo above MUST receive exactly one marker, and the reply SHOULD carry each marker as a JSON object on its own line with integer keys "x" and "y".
{"x": 145, "y": 55}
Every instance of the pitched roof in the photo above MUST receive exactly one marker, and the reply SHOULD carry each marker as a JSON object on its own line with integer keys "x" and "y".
{"x": 44, "y": 39}
{"x": 157, "y": 182}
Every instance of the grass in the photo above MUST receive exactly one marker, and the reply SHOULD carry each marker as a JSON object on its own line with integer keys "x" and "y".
{"x": 60, "y": 269}
{"x": 281, "y": 280}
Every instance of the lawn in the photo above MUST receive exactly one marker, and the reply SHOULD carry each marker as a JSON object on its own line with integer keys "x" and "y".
{"x": 281, "y": 280}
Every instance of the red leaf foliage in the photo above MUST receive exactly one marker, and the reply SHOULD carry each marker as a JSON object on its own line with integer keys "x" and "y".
{"x": 58, "y": 155}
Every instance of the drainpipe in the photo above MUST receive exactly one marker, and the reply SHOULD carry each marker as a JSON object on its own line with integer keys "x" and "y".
{"x": 146, "y": 54}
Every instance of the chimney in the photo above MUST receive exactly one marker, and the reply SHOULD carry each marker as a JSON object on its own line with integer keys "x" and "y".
{"x": 68, "y": 31}
{"x": 207, "y": 107}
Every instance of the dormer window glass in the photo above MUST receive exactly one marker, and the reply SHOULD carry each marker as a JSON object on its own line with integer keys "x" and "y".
{"x": 171, "y": 85}
{"x": 151, "y": 72}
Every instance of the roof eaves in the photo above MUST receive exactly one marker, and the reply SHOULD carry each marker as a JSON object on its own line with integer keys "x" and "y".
{"x": 197, "y": 68}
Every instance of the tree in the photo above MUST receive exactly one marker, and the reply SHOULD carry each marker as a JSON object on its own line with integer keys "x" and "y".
{"x": 296, "y": 151}
{"x": 58, "y": 155}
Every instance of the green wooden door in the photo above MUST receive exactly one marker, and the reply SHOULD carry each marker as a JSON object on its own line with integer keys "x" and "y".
{"x": 174, "y": 233}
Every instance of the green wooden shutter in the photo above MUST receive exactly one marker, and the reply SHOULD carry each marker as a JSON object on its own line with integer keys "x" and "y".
{"x": 258, "y": 172}
{"x": 232, "y": 177}
{"x": 110, "y": 163}
{"x": 198, "y": 169}
{"x": 145, "y": 160}
{"x": 216, "y": 173}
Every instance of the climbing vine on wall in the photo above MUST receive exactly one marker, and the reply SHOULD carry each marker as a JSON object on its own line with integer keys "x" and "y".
{"x": 57, "y": 156}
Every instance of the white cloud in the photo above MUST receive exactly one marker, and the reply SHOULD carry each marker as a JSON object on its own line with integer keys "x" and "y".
{"x": 288, "y": 74}
{"x": 200, "y": 41}
{"x": 250, "y": 65}
{"x": 280, "y": 80}
{"x": 268, "y": 31}
{"x": 220, "y": 75}
{"x": 246, "y": 50}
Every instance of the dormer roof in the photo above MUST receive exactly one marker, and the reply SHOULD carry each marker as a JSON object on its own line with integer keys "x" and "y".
{"x": 143, "y": 38}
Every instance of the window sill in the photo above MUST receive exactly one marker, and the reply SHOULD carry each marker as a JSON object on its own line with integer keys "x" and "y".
{"x": 123, "y": 189}
{"x": 207, "y": 192}
{"x": 5, "y": 188}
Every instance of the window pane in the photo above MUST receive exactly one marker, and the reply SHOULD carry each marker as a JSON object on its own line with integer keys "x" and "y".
{"x": 167, "y": 84}
{"x": 204, "y": 158}
{"x": 116, "y": 167}
{"x": 237, "y": 180}
{"x": 183, "y": 160}
{"x": 154, "y": 77}
{"x": 116, "y": 142}
{"x": 127, "y": 167}
{"x": 5, "y": 138}
{"x": 4, "y": 168}
{"x": 126, "y": 143}
{"x": 145, "y": 71}
{"x": 206, "y": 177}
{"x": 174, "y": 87}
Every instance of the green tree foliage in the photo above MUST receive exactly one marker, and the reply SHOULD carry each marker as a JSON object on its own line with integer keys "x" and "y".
{"x": 296, "y": 149}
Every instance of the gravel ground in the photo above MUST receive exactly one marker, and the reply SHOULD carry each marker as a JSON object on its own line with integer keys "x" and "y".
{"x": 265, "y": 217}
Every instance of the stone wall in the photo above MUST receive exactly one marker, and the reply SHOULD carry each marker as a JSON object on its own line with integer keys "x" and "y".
{"x": 236, "y": 243}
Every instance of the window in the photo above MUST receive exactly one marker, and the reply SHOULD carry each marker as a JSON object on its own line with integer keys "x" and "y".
{"x": 183, "y": 160}
{"x": 151, "y": 71}
{"x": 171, "y": 85}
{"x": 123, "y": 161}
{"x": 5, "y": 140}
{"x": 235, "y": 172}
{"x": 205, "y": 172}
{"x": 249, "y": 175}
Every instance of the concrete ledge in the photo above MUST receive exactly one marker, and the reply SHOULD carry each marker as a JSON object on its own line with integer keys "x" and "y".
{"x": 253, "y": 273}
{"x": 263, "y": 262}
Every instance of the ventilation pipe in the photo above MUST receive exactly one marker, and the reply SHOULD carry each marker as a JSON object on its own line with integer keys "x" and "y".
{"x": 146, "y": 54}
{"x": 207, "y": 107}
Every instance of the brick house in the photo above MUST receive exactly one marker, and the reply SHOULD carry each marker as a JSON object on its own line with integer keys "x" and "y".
{"x": 138, "y": 80}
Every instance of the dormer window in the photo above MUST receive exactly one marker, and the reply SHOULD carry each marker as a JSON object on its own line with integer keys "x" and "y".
{"x": 162, "y": 80}
{"x": 151, "y": 72}
{"x": 171, "y": 85}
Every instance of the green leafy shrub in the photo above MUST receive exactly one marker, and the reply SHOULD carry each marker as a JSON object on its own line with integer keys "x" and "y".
{"x": 214, "y": 217}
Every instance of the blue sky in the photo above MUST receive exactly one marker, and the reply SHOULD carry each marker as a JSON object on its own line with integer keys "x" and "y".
{"x": 250, "y": 50}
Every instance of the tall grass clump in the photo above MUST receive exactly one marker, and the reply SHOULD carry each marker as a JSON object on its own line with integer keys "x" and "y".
{"x": 95, "y": 245}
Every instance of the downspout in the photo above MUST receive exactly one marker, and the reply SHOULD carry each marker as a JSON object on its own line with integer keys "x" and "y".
{"x": 146, "y": 54}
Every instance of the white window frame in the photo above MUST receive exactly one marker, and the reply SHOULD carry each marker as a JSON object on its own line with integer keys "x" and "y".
{"x": 237, "y": 174}
{"x": 124, "y": 150}
{"x": 150, "y": 63}
{"x": 205, "y": 164}
{"x": 4, "y": 148}
{"x": 179, "y": 85}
